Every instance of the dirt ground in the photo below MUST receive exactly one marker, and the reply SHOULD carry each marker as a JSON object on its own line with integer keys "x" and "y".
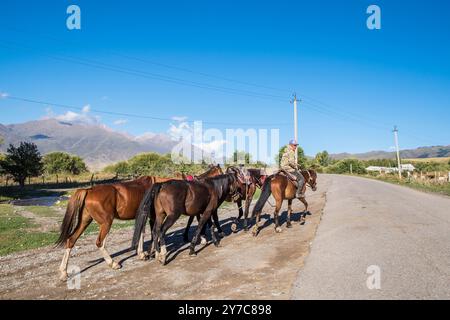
{"x": 243, "y": 267}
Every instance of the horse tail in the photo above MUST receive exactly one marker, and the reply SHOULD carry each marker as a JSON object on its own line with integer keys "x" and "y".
{"x": 72, "y": 217}
{"x": 265, "y": 194}
{"x": 146, "y": 208}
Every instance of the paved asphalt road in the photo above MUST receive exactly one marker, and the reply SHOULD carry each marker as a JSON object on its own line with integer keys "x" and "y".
{"x": 406, "y": 233}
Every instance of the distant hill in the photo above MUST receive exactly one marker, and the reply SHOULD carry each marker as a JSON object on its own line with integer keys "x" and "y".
{"x": 96, "y": 144}
{"x": 422, "y": 152}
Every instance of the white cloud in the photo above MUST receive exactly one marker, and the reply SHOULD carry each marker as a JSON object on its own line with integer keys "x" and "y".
{"x": 179, "y": 118}
{"x": 86, "y": 108}
{"x": 215, "y": 146}
{"x": 180, "y": 130}
{"x": 84, "y": 117}
{"x": 3, "y": 95}
{"x": 120, "y": 122}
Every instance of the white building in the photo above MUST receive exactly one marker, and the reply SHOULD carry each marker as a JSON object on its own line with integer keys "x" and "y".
{"x": 405, "y": 167}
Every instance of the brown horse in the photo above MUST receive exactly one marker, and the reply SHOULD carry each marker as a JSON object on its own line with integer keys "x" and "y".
{"x": 254, "y": 180}
{"x": 238, "y": 197}
{"x": 166, "y": 202}
{"x": 103, "y": 203}
{"x": 281, "y": 187}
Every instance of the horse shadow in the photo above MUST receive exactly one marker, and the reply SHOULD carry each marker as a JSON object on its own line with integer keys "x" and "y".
{"x": 174, "y": 243}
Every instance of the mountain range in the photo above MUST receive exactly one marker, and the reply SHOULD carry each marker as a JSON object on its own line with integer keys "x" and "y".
{"x": 99, "y": 145}
{"x": 421, "y": 152}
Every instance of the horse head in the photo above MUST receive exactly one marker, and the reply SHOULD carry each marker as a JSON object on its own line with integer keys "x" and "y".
{"x": 312, "y": 180}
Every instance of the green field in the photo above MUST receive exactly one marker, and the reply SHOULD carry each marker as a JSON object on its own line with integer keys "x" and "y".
{"x": 443, "y": 188}
{"x": 437, "y": 160}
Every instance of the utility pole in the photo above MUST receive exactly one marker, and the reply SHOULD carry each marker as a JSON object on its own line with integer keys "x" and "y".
{"x": 294, "y": 101}
{"x": 398, "y": 152}
{"x": 351, "y": 168}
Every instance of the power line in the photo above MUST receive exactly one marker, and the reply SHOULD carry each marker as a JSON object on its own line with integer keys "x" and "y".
{"x": 148, "y": 61}
{"x": 140, "y": 116}
{"x": 153, "y": 76}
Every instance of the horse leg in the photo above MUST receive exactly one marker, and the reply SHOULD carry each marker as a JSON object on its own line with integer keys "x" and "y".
{"x": 303, "y": 215}
{"x": 275, "y": 216}
{"x": 156, "y": 234}
{"x": 248, "y": 200}
{"x": 101, "y": 244}
{"x": 186, "y": 230}
{"x": 86, "y": 220}
{"x": 203, "y": 239}
{"x": 168, "y": 222}
{"x": 140, "y": 250}
{"x": 288, "y": 220}
{"x": 204, "y": 218}
{"x": 217, "y": 224}
{"x": 234, "y": 226}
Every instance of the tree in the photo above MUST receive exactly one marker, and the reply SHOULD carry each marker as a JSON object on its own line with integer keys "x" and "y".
{"x": 301, "y": 158}
{"x": 119, "y": 168}
{"x": 22, "y": 162}
{"x": 238, "y": 156}
{"x": 61, "y": 162}
{"x": 323, "y": 158}
{"x": 343, "y": 166}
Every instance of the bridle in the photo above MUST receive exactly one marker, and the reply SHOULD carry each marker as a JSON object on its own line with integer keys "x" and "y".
{"x": 309, "y": 182}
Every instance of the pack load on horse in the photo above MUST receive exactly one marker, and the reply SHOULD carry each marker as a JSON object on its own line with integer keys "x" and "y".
{"x": 104, "y": 203}
{"x": 165, "y": 202}
{"x": 282, "y": 185}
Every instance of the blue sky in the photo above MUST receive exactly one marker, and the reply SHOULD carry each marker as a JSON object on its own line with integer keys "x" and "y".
{"x": 357, "y": 83}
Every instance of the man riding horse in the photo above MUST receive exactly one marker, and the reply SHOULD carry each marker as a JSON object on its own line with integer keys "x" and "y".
{"x": 289, "y": 164}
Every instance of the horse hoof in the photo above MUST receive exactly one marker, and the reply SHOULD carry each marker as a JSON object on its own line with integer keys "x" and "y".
{"x": 203, "y": 240}
{"x": 278, "y": 230}
{"x": 192, "y": 254}
{"x": 143, "y": 256}
{"x": 255, "y": 232}
{"x": 222, "y": 234}
{"x": 115, "y": 266}
{"x": 63, "y": 277}
{"x": 234, "y": 227}
{"x": 162, "y": 259}
{"x": 289, "y": 225}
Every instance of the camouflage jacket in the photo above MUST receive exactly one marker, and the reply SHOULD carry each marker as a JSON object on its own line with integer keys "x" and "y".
{"x": 287, "y": 162}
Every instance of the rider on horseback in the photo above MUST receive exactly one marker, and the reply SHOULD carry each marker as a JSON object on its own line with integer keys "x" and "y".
{"x": 289, "y": 165}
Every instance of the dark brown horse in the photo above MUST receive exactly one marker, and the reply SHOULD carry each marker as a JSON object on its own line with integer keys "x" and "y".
{"x": 281, "y": 187}
{"x": 166, "y": 202}
{"x": 104, "y": 203}
{"x": 238, "y": 196}
{"x": 254, "y": 180}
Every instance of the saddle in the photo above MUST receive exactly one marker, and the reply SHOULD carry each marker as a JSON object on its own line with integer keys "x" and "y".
{"x": 288, "y": 175}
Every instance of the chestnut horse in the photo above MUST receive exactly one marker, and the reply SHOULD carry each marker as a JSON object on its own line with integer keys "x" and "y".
{"x": 166, "y": 202}
{"x": 282, "y": 188}
{"x": 103, "y": 203}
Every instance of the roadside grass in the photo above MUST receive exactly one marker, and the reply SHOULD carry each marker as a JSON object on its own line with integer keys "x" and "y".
{"x": 43, "y": 211}
{"x": 16, "y": 232}
{"x": 442, "y": 188}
